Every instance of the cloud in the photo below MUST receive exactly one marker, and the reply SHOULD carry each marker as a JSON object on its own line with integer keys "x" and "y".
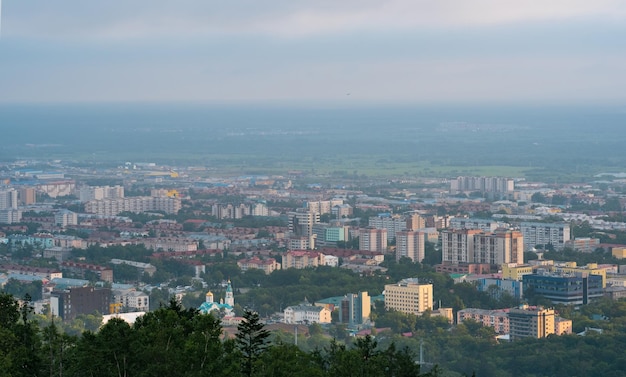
{"x": 139, "y": 19}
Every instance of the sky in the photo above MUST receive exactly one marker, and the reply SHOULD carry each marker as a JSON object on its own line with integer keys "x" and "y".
{"x": 317, "y": 51}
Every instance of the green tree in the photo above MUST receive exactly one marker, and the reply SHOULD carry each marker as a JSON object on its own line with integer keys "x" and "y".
{"x": 251, "y": 341}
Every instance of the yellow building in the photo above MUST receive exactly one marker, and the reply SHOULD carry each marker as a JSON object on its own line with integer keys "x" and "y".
{"x": 619, "y": 252}
{"x": 562, "y": 326}
{"x": 515, "y": 271}
{"x": 531, "y": 322}
{"x": 409, "y": 296}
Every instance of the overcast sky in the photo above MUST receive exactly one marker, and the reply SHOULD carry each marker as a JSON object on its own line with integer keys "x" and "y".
{"x": 336, "y": 51}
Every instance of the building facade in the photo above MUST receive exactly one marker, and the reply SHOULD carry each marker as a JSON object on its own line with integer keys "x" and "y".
{"x": 409, "y": 296}
{"x": 410, "y": 244}
{"x": 544, "y": 234}
{"x": 372, "y": 239}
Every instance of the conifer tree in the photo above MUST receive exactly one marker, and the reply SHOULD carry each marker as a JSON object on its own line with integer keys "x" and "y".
{"x": 251, "y": 341}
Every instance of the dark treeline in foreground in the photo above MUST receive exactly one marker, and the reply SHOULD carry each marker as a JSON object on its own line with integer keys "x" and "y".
{"x": 172, "y": 341}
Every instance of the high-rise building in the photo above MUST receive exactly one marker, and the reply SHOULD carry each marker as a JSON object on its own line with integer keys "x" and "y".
{"x": 502, "y": 246}
{"x": 372, "y": 239}
{"x": 8, "y": 199}
{"x": 414, "y": 222}
{"x": 301, "y": 222}
{"x": 27, "y": 195}
{"x": 544, "y": 234}
{"x": 409, "y": 296}
{"x": 410, "y": 244}
{"x": 88, "y": 193}
{"x": 322, "y": 207}
{"x": 457, "y": 245}
{"x": 392, "y": 223}
{"x": 476, "y": 246}
{"x": 483, "y": 184}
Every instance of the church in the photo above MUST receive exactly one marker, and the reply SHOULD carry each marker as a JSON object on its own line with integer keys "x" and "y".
{"x": 225, "y": 305}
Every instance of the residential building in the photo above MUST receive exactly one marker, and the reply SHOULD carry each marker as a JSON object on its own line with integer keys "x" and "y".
{"x": 8, "y": 199}
{"x": 562, "y": 326}
{"x": 409, "y": 296}
{"x": 497, "y": 319}
{"x": 300, "y": 243}
{"x": 27, "y": 196}
{"x": 483, "y": 184}
{"x": 583, "y": 244}
{"x": 476, "y": 246}
{"x": 10, "y": 216}
{"x": 89, "y": 193}
{"x": 300, "y": 259}
{"x": 486, "y": 225}
{"x": 457, "y": 245}
{"x": 410, "y": 244}
{"x": 132, "y": 299}
{"x": 392, "y": 223}
{"x": 143, "y": 267}
{"x": 341, "y": 211}
{"x": 322, "y": 207}
{"x": 531, "y": 322}
{"x": 499, "y": 247}
{"x": 301, "y": 222}
{"x": 544, "y": 234}
{"x": 372, "y": 239}
{"x": 63, "y": 218}
{"x": 136, "y": 204}
{"x": 104, "y": 273}
{"x": 267, "y": 265}
{"x": 41, "y": 272}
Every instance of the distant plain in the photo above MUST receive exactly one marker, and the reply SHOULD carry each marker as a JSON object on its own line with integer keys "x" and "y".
{"x": 543, "y": 143}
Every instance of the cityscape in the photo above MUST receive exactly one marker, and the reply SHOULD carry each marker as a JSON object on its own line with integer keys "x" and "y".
{"x": 515, "y": 258}
{"x": 313, "y": 188}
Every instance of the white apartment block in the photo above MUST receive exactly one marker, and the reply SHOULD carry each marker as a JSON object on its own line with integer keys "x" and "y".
{"x": 10, "y": 216}
{"x": 64, "y": 218}
{"x": 393, "y": 224}
{"x": 137, "y": 204}
{"x": 484, "y": 184}
{"x": 486, "y": 225}
{"x": 556, "y": 234}
{"x": 322, "y": 207}
{"x": 130, "y": 298}
{"x": 8, "y": 199}
{"x": 88, "y": 193}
